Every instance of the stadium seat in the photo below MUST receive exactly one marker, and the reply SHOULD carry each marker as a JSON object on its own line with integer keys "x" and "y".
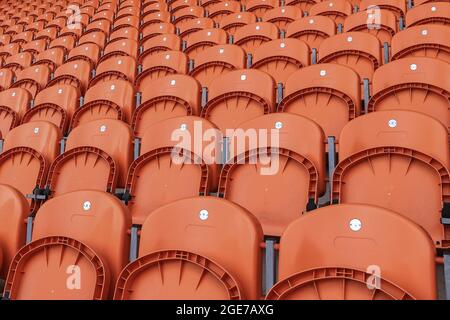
{"x": 280, "y": 58}
{"x": 251, "y": 36}
{"x": 357, "y": 50}
{"x": 6, "y": 78}
{"x": 217, "y": 60}
{"x": 76, "y": 73}
{"x": 304, "y": 5}
{"x": 327, "y": 93}
{"x": 113, "y": 99}
{"x": 419, "y": 84}
{"x": 429, "y": 13}
{"x": 122, "y": 47}
{"x": 218, "y": 11}
{"x": 422, "y": 41}
{"x": 124, "y": 33}
{"x": 162, "y": 64}
{"x": 174, "y": 163}
{"x": 95, "y": 37}
{"x": 238, "y": 96}
{"x": 87, "y": 227}
{"x": 33, "y": 79}
{"x": 66, "y": 43}
{"x": 163, "y": 98}
{"x": 55, "y": 104}
{"x": 260, "y": 7}
{"x": 159, "y": 43}
{"x": 188, "y": 27}
{"x": 386, "y": 158}
{"x": 156, "y": 29}
{"x": 155, "y": 17}
{"x": 398, "y": 7}
{"x": 355, "y": 256}
{"x": 52, "y": 58}
{"x": 203, "y": 39}
{"x": 282, "y": 16}
{"x": 174, "y": 6}
{"x": 337, "y": 10}
{"x": 232, "y": 22}
{"x": 14, "y": 210}
{"x": 259, "y": 174}
{"x": 88, "y": 52}
{"x": 33, "y": 145}
{"x": 13, "y": 104}
{"x": 115, "y": 67}
{"x": 35, "y": 47}
{"x": 185, "y": 227}
{"x": 186, "y": 14}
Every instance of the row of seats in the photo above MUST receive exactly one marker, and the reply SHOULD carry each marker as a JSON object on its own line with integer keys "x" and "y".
{"x": 210, "y": 248}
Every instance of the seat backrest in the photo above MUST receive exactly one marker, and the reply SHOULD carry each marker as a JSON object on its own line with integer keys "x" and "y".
{"x": 76, "y": 73}
{"x": 398, "y": 7}
{"x": 13, "y": 104}
{"x": 251, "y": 36}
{"x": 429, "y": 13}
{"x": 276, "y": 168}
{"x": 117, "y": 67}
{"x": 337, "y": 10}
{"x": 33, "y": 78}
{"x": 163, "y": 98}
{"x": 313, "y": 30}
{"x": 202, "y": 39}
{"x": 282, "y": 16}
{"x": 213, "y": 229}
{"x": 355, "y": 242}
{"x": 232, "y": 22}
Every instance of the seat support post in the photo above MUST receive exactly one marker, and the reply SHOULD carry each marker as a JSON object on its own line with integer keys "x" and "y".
{"x": 269, "y": 257}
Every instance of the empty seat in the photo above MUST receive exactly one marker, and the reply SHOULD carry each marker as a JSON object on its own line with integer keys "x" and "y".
{"x": 113, "y": 99}
{"x": 238, "y": 96}
{"x": 429, "y": 13}
{"x": 217, "y": 60}
{"x": 188, "y": 27}
{"x": 398, "y": 7}
{"x": 304, "y": 5}
{"x": 420, "y": 84}
{"x": 82, "y": 235}
{"x": 124, "y": 33}
{"x": 126, "y": 21}
{"x": 203, "y": 39}
{"x": 279, "y": 173}
{"x": 163, "y": 98}
{"x": 27, "y": 153}
{"x": 76, "y": 73}
{"x": 96, "y": 37}
{"x": 327, "y": 93}
{"x": 156, "y": 29}
{"x": 232, "y": 22}
{"x": 18, "y": 61}
{"x": 260, "y": 7}
{"x": 422, "y": 41}
{"x": 174, "y": 163}
{"x": 162, "y": 42}
{"x": 115, "y": 67}
{"x": 53, "y": 58}
{"x": 282, "y": 16}
{"x": 220, "y": 10}
{"x": 13, "y": 104}
{"x": 156, "y": 17}
{"x": 357, "y": 50}
{"x": 280, "y": 58}
{"x": 355, "y": 256}
{"x": 196, "y": 253}
{"x": 35, "y": 47}
{"x": 114, "y": 137}
{"x": 33, "y": 79}
{"x": 122, "y": 47}
{"x": 6, "y": 78}
{"x": 251, "y": 36}
{"x": 14, "y": 210}
{"x": 162, "y": 64}
{"x": 187, "y": 14}
{"x": 387, "y": 158}
{"x": 66, "y": 43}
{"x": 174, "y": 6}
{"x": 88, "y": 52}
{"x": 337, "y": 10}
{"x": 55, "y": 104}
{"x": 381, "y": 23}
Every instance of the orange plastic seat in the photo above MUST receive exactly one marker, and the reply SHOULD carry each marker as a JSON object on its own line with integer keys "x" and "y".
{"x": 156, "y": 29}
{"x": 196, "y": 253}
{"x": 429, "y": 13}
{"x": 157, "y": 6}
{"x": 76, "y": 73}
{"x": 164, "y": 98}
{"x": 387, "y": 155}
{"x": 6, "y": 78}
{"x": 126, "y": 21}
{"x": 162, "y": 64}
{"x": 109, "y": 135}
{"x": 160, "y": 43}
{"x": 156, "y": 17}
{"x": 9, "y": 50}
{"x": 419, "y": 84}
{"x": 327, "y": 93}
{"x": 337, "y": 10}
{"x": 216, "y": 61}
{"x": 208, "y": 3}
{"x": 220, "y": 10}
{"x": 282, "y": 16}
{"x": 33, "y": 79}
{"x": 5, "y": 39}
{"x": 27, "y": 153}
{"x": 122, "y": 47}
{"x": 18, "y": 61}
{"x": 100, "y": 24}
{"x": 203, "y": 39}
{"x": 88, "y": 52}
{"x": 66, "y": 43}
{"x": 232, "y": 22}
{"x": 55, "y": 104}
{"x": 96, "y": 37}
{"x": 13, "y": 104}
{"x": 355, "y": 256}
{"x": 113, "y": 99}
{"x": 280, "y": 173}
{"x": 281, "y": 58}
{"x": 260, "y": 7}
{"x": 304, "y": 5}
{"x": 88, "y": 228}
{"x": 115, "y": 67}
{"x": 124, "y": 33}
{"x": 381, "y": 24}
{"x": 422, "y": 41}
{"x": 357, "y": 50}
{"x": 35, "y": 47}
{"x": 187, "y": 13}
{"x": 14, "y": 210}
{"x": 170, "y": 149}
{"x": 251, "y": 36}
{"x": 238, "y": 96}
{"x": 52, "y": 58}
{"x": 398, "y": 7}
{"x": 175, "y": 5}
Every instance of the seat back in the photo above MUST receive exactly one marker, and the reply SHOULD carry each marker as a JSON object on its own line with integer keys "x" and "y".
{"x": 313, "y": 30}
